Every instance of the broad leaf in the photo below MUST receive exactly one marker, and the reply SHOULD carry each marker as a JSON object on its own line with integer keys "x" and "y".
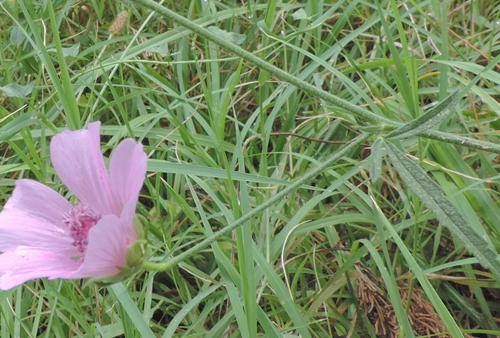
{"x": 428, "y": 120}
{"x": 232, "y": 37}
{"x": 448, "y": 214}
{"x": 13, "y": 89}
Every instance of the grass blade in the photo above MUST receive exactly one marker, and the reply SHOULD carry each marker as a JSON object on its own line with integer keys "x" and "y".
{"x": 130, "y": 307}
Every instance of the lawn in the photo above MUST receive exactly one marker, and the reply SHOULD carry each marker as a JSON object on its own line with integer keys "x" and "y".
{"x": 314, "y": 168}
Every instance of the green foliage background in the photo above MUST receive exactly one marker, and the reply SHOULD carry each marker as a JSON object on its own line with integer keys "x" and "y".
{"x": 404, "y": 218}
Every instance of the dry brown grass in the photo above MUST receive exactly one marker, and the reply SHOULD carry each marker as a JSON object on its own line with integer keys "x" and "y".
{"x": 380, "y": 312}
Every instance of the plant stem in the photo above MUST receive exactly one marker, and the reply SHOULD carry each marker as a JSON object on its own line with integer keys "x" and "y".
{"x": 282, "y": 194}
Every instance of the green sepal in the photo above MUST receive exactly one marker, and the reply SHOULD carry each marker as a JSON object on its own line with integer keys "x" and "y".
{"x": 138, "y": 226}
{"x": 135, "y": 256}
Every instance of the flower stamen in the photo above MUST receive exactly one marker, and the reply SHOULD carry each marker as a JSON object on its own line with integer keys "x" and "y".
{"x": 80, "y": 219}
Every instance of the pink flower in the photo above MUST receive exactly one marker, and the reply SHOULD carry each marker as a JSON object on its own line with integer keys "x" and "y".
{"x": 44, "y": 235}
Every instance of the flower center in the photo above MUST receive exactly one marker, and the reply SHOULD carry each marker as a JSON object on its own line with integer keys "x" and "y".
{"x": 80, "y": 219}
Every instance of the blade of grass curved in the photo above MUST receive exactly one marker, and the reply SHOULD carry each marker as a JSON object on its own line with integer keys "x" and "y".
{"x": 392, "y": 289}
{"x": 71, "y": 109}
{"x": 281, "y": 291}
{"x": 244, "y": 239}
{"x": 174, "y": 323}
{"x": 120, "y": 293}
{"x": 160, "y": 166}
{"x": 448, "y": 214}
{"x": 376, "y": 160}
{"x": 15, "y": 125}
{"x": 218, "y": 329}
{"x": 267, "y": 325}
{"x": 449, "y": 265}
{"x": 434, "y": 298}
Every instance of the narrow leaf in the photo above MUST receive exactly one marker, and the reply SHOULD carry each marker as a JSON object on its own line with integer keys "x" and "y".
{"x": 121, "y": 294}
{"x": 278, "y": 286}
{"x": 428, "y": 120}
{"x": 376, "y": 160}
{"x": 15, "y": 125}
{"x": 197, "y": 170}
{"x": 186, "y": 309}
{"x": 435, "y": 199}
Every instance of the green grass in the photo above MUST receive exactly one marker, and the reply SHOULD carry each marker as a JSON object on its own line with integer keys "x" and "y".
{"x": 354, "y": 249}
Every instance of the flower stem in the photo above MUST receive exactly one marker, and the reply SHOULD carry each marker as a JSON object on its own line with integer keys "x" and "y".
{"x": 307, "y": 176}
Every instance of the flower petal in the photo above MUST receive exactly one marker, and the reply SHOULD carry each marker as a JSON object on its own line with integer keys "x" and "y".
{"x": 23, "y": 264}
{"x": 127, "y": 221}
{"x": 33, "y": 217}
{"x": 127, "y": 170}
{"x": 106, "y": 250}
{"x": 76, "y": 156}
